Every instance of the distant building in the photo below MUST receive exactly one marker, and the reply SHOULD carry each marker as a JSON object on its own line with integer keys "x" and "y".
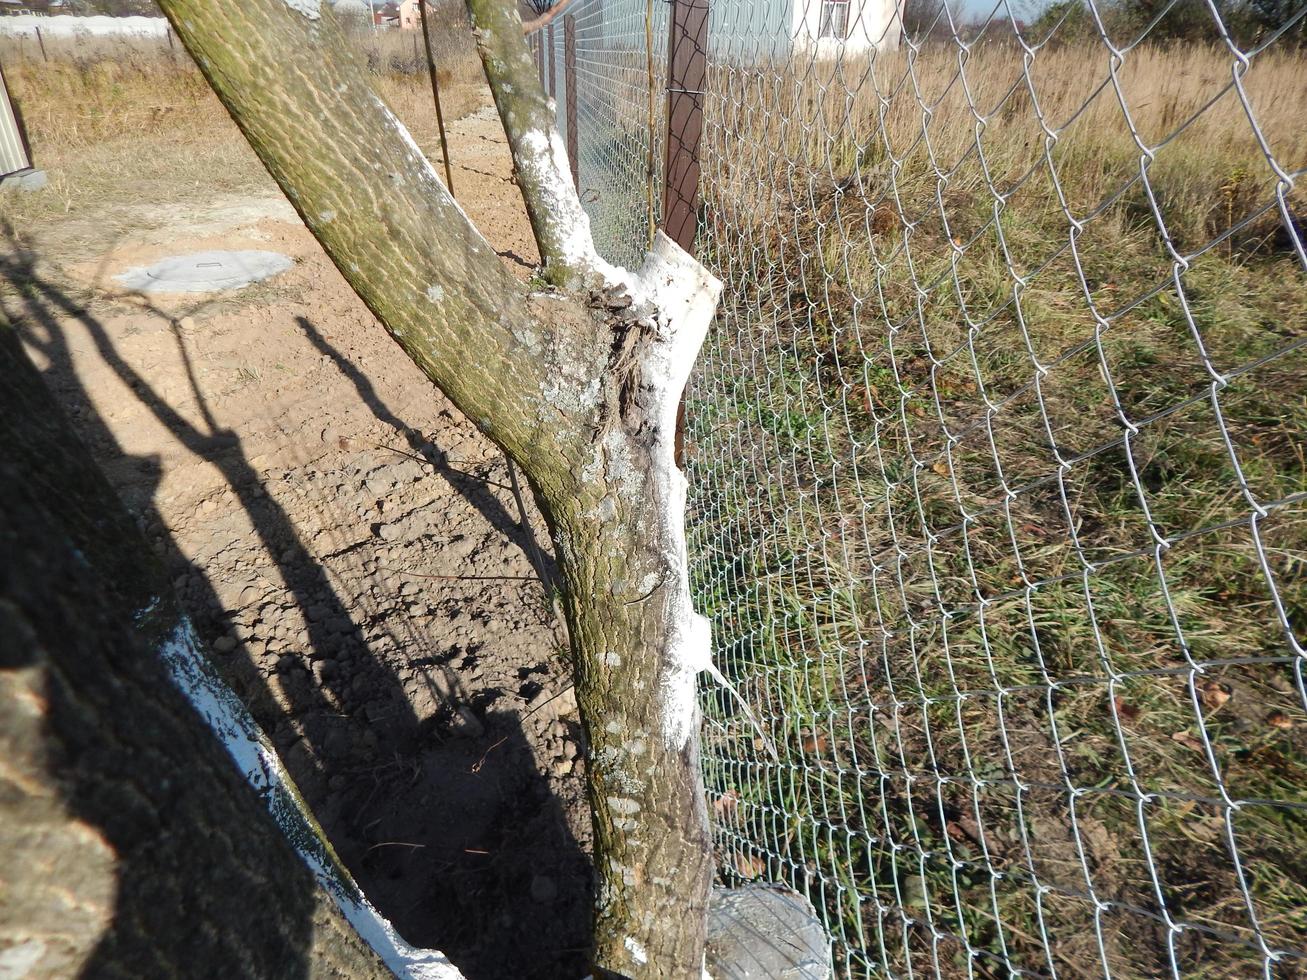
{"x": 12, "y": 8}
{"x": 828, "y": 28}
{"x": 14, "y": 156}
{"x": 753, "y": 31}
{"x": 404, "y": 15}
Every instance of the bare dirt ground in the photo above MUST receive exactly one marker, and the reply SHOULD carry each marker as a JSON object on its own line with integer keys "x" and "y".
{"x": 347, "y": 543}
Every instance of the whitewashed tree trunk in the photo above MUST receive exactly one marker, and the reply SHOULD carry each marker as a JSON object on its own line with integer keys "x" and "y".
{"x": 579, "y": 387}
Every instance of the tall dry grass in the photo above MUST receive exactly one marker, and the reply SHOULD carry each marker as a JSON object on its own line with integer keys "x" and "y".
{"x": 930, "y": 542}
{"x": 111, "y": 119}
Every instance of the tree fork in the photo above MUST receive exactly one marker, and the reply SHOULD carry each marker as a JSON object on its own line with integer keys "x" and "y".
{"x": 580, "y": 388}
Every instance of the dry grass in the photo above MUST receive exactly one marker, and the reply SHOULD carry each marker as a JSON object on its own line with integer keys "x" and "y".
{"x": 121, "y": 122}
{"x": 939, "y": 574}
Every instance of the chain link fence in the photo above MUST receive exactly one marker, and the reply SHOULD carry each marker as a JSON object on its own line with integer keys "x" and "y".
{"x": 997, "y": 464}
{"x": 605, "y": 65}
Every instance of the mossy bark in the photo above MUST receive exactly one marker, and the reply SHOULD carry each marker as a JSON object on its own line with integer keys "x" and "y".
{"x": 652, "y": 845}
{"x": 132, "y": 846}
{"x": 556, "y": 382}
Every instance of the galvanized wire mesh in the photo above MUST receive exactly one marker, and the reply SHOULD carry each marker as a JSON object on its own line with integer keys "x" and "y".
{"x": 620, "y": 111}
{"x": 999, "y": 501}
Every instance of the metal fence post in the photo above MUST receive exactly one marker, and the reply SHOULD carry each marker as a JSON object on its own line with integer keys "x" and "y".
{"x": 687, "y": 59}
{"x": 569, "y": 81}
{"x": 41, "y": 41}
{"x": 553, "y": 75}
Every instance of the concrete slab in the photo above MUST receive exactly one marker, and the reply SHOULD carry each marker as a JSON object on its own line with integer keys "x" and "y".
{"x": 205, "y": 272}
{"x": 24, "y": 180}
{"x": 765, "y": 932}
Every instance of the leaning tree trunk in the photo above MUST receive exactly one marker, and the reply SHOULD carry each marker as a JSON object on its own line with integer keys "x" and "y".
{"x": 579, "y": 387}
{"x": 132, "y": 846}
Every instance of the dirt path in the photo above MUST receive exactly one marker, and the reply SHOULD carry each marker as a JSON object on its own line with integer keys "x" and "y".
{"x": 348, "y": 545}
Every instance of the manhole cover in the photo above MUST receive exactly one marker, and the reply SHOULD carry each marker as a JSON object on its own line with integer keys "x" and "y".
{"x": 205, "y": 272}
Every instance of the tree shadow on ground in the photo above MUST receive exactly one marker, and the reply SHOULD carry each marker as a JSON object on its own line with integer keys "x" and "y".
{"x": 458, "y": 840}
{"x": 470, "y": 487}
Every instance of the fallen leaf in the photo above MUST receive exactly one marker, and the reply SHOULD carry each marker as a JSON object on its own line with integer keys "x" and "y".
{"x": 726, "y": 804}
{"x": 1214, "y": 695}
{"x": 813, "y": 744}
{"x": 963, "y": 829}
{"x": 1188, "y": 741}
{"x": 1278, "y": 719}
{"x": 941, "y": 468}
{"x": 749, "y": 865}
{"x": 1127, "y": 711}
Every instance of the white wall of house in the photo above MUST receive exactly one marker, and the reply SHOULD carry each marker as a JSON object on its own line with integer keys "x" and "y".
{"x": 847, "y": 27}
{"x": 410, "y": 18}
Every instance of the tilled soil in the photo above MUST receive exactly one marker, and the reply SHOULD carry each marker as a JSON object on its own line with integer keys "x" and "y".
{"x": 350, "y": 547}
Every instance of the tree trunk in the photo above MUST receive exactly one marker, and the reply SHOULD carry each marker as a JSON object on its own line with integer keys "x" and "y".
{"x": 580, "y": 388}
{"x": 132, "y": 846}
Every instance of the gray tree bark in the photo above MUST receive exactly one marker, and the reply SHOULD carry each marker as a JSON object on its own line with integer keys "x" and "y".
{"x": 132, "y": 845}
{"x": 579, "y": 387}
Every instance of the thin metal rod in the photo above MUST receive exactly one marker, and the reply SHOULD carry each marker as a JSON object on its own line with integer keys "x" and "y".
{"x": 435, "y": 94}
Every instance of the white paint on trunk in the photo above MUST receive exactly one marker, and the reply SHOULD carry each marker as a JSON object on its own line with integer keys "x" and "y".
{"x": 542, "y": 155}
{"x": 636, "y": 950}
{"x": 685, "y": 295}
{"x": 228, "y": 719}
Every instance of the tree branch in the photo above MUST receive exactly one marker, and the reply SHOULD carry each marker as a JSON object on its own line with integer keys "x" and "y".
{"x": 546, "y": 17}
{"x": 560, "y": 225}
{"x": 375, "y": 204}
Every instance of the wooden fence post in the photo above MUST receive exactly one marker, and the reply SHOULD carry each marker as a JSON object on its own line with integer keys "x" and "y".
{"x": 687, "y": 59}
{"x": 569, "y": 81}
{"x": 41, "y": 41}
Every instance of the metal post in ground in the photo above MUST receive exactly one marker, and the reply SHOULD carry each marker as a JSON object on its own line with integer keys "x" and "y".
{"x": 41, "y": 41}
{"x": 553, "y": 74}
{"x": 435, "y": 95}
{"x": 687, "y": 71}
{"x": 687, "y": 60}
{"x": 569, "y": 82}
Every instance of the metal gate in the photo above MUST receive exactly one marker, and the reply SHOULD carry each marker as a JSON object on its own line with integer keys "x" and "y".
{"x": 13, "y": 148}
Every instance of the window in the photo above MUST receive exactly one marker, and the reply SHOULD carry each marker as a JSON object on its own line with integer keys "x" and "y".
{"x": 834, "y": 19}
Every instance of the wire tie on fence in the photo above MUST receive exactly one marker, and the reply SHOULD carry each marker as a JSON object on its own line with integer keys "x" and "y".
{"x": 685, "y": 91}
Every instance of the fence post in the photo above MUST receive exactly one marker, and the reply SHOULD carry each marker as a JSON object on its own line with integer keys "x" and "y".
{"x": 687, "y": 58}
{"x": 569, "y": 81}
{"x": 435, "y": 96}
{"x": 41, "y": 41}
{"x": 687, "y": 70}
{"x": 553, "y": 75}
